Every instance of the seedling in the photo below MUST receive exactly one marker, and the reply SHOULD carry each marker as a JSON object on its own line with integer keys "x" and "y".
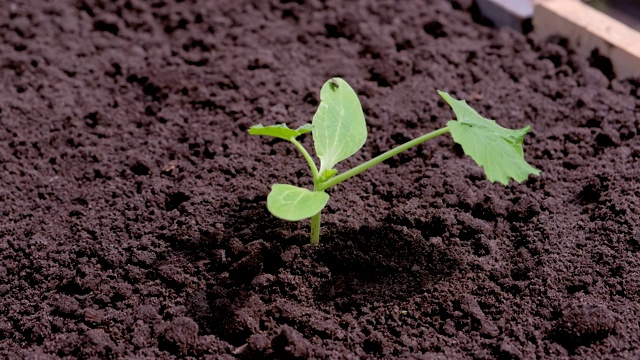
{"x": 339, "y": 131}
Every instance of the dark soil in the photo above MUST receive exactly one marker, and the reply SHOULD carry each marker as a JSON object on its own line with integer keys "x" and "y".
{"x": 133, "y": 201}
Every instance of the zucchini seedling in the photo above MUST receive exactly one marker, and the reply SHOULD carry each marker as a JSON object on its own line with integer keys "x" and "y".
{"x": 339, "y": 131}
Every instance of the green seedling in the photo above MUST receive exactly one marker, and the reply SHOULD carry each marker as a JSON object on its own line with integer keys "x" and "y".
{"x": 339, "y": 131}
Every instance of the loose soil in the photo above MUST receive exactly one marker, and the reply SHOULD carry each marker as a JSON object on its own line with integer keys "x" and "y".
{"x": 133, "y": 201}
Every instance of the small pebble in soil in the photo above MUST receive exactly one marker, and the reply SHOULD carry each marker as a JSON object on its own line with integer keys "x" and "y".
{"x": 584, "y": 324}
{"x": 97, "y": 343}
{"x": 180, "y": 335}
{"x": 290, "y": 344}
{"x": 93, "y": 316}
{"x": 262, "y": 281}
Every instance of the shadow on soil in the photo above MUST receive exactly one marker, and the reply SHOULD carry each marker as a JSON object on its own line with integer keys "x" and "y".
{"x": 381, "y": 263}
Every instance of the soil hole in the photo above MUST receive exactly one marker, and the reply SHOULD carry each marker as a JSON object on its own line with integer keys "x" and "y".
{"x": 140, "y": 169}
{"x": 602, "y": 63}
{"x": 174, "y": 200}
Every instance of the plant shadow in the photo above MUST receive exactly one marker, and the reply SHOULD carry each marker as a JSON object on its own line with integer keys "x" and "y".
{"x": 366, "y": 265}
{"x": 380, "y": 264}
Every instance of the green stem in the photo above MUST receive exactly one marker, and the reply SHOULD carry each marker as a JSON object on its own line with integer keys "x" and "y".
{"x": 312, "y": 165}
{"x": 315, "y": 229}
{"x": 315, "y": 219}
{"x": 378, "y": 159}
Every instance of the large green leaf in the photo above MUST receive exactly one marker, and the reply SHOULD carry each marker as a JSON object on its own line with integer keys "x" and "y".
{"x": 339, "y": 129}
{"x": 496, "y": 149}
{"x": 293, "y": 203}
{"x": 281, "y": 131}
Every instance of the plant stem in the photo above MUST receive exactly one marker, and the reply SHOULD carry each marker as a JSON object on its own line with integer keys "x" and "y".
{"x": 312, "y": 165}
{"x": 315, "y": 219}
{"x": 378, "y": 159}
{"x": 315, "y": 229}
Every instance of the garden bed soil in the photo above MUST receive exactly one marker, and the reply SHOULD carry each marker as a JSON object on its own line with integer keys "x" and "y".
{"x": 133, "y": 200}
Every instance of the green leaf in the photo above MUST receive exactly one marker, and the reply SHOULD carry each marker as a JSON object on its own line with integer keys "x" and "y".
{"x": 339, "y": 129}
{"x": 281, "y": 131}
{"x": 496, "y": 149}
{"x": 293, "y": 203}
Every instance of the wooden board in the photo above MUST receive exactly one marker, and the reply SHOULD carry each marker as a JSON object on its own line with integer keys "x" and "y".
{"x": 511, "y": 13}
{"x": 588, "y": 29}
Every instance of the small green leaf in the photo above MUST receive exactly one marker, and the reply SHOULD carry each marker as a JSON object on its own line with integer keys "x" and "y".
{"x": 496, "y": 149}
{"x": 339, "y": 128}
{"x": 328, "y": 174}
{"x": 281, "y": 131}
{"x": 293, "y": 203}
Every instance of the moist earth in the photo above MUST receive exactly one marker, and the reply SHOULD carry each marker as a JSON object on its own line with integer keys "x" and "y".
{"x": 133, "y": 208}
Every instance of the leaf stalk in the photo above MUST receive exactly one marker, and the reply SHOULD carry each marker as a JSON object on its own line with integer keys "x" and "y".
{"x": 380, "y": 158}
{"x": 312, "y": 164}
